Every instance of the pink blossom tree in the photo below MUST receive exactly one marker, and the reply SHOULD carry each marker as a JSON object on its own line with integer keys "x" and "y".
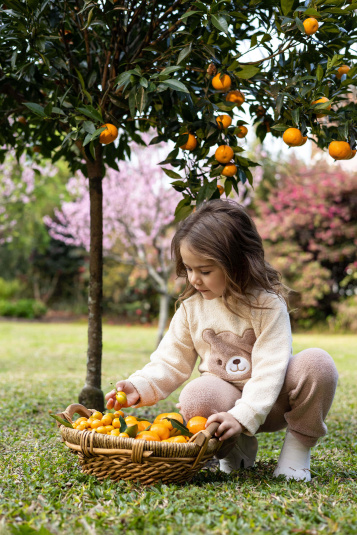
{"x": 139, "y": 218}
{"x": 309, "y": 226}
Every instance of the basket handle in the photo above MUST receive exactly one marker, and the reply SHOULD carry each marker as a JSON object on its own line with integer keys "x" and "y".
{"x": 72, "y": 409}
{"x": 202, "y": 438}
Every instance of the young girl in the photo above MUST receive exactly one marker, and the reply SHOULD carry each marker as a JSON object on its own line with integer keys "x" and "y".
{"x": 233, "y": 316}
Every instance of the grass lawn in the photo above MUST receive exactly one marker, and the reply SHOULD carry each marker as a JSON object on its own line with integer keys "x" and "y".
{"x": 42, "y": 490}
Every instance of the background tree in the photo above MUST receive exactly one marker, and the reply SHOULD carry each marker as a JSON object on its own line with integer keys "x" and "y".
{"x": 68, "y": 66}
{"x": 140, "y": 219}
{"x": 309, "y": 226}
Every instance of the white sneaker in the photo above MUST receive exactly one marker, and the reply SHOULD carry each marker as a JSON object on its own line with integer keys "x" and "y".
{"x": 242, "y": 455}
{"x": 294, "y": 460}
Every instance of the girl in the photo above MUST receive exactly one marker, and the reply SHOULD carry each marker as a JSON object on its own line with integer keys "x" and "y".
{"x": 233, "y": 315}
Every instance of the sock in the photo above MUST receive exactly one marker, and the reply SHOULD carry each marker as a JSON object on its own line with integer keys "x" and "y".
{"x": 242, "y": 454}
{"x": 294, "y": 460}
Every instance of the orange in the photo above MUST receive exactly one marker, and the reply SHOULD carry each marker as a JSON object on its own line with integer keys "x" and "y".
{"x": 96, "y": 423}
{"x": 160, "y": 417}
{"x": 121, "y": 398}
{"x": 124, "y": 435}
{"x": 22, "y": 120}
{"x": 311, "y": 25}
{"x": 229, "y": 170}
{"x": 102, "y": 430}
{"x": 180, "y": 439}
{"x": 108, "y": 135}
{"x": 175, "y": 416}
{"x": 321, "y": 100}
{"x": 109, "y": 428}
{"x": 222, "y": 82}
{"x": 353, "y": 154}
{"x": 224, "y": 154}
{"x": 224, "y": 121}
{"x": 82, "y": 426}
{"x": 190, "y": 144}
{"x": 220, "y": 189}
{"x": 116, "y": 423}
{"x": 260, "y": 111}
{"x": 196, "y": 424}
{"x": 339, "y": 150}
{"x": 143, "y": 425}
{"x": 292, "y": 137}
{"x": 115, "y": 432}
{"x": 118, "y": 413}
{"x": 97, "y": 415}
{"x": 79, "y": 420}
{"x": 167, "y": 423}
{"x": 235, "y": 96}
{"x": 106, "y": 420}
{"x": 161, "y": 430}
{"x": 242, "y": 131}
{"x": 341, "y": 71}
{"x": 148, "y": 435}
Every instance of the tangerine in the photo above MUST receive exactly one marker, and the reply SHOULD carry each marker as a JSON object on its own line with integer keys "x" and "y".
{"x": 224, "y": 121}
{"x": 106, "y": 420}
{"x": 161, "y": 430}
{"x": 220, "y": 189}
{"x": 311, "y": 25}
{"x": 341, "y": 71}
{"x": 224, "y": 154}
{"x": 293, "y": 137}
{"x": 235, "y": 96}
{"x": 260, "y": 111}
{"x": 148, "y": 435}
{"x": 108, "y": 135}
{"x": 353, "y": 154}
{"x": 321, "y": 101}
{"x": 115, "y": 432}
{"x": 222, "y": 82}
{"x": 190, "y": 144}
{"x": 121, "y": 398}
{"x": 179, "y": 440}
{"x": 229, "y": 170}
{"x": 97, "y": 415}
{"x": 96, "y": 423}
{"x": 242, "y": 131}
{"x": 339, "y": 150}
{"x": 124, "y": 435}
{"x": 196, "y": 424}
{"x": 143, "y": 425}
{"x": 116, "y": 423}
{"x": 118, "y": 413}
{"x": 304, "y": 139}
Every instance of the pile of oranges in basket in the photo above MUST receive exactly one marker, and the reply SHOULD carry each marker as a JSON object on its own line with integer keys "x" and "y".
{"x": 167, "y": 427}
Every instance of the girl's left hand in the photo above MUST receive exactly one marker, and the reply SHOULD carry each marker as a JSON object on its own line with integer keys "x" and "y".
{"x": 229, "y": 426}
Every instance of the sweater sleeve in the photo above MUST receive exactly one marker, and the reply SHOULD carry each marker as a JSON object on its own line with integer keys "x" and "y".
{"x": 270, "y": 357}
{"x": 170, "y": 365}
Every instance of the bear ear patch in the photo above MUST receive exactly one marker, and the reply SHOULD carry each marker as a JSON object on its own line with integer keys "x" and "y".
{"x": 208, "y": 335}
{"x": 249, "y": 337}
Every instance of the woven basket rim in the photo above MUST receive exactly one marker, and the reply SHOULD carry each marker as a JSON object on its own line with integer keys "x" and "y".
{"x": 159, "y": 449}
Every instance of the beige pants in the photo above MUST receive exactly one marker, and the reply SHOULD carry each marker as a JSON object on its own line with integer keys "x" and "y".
{"x": 302, "y": 405}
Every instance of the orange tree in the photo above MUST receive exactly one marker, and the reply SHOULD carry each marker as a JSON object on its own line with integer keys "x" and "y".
{"x": 68, "y": 67}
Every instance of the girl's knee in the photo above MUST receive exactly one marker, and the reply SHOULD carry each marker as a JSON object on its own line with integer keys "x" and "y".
{"x": 317, "y": 363}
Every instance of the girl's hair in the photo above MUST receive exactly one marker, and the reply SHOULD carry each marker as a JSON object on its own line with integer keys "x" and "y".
{"x": 222, "y": 231}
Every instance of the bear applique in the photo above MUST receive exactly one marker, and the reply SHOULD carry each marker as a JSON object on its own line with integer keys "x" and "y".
{"x": 231, "y": 354}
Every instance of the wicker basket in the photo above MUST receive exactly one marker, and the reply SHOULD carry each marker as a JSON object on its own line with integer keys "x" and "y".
{"x": 107, "y": 456}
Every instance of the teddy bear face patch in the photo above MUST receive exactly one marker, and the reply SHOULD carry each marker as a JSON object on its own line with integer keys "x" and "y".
{"x": 231, "y": 355}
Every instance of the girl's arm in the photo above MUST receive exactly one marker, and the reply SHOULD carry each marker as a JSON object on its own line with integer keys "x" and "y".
{"x": 270, "y": 358}
{"x": 170, "y": 365}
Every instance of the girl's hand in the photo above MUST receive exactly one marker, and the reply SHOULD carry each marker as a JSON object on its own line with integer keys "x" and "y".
{"x": 229, "y": 426}
{"x": 131, "y": 393}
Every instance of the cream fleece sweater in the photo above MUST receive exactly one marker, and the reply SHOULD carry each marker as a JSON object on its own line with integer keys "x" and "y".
{"x": 251, "y": 352}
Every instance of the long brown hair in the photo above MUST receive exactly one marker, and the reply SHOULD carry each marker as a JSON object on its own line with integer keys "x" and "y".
{"x": 223, "y": 232}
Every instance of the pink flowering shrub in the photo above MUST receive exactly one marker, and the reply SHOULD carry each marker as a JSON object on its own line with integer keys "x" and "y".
{"x": 309, "y": 227}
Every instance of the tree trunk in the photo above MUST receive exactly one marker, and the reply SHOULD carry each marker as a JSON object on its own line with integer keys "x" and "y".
{"x": 163, "y": 315}
{"x": 91, "y": 395}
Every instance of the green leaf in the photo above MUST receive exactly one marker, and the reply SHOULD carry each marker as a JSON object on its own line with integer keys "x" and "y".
{"x": 286, "y": 6}
{"x": 36, "y": 108}
{"x": 62, "y": 421}
{"x": 319, "y": 73}
{"x": 132, "y": 430}
{"x": 183, "y": 209}
{"x": 176, "y": 85}
{"x": 184, "y": 53}
{"x": 171, "y": 174}
{"x": 248, "y": 71}
{"x": 190, "y": 13}
{"x": 300, "y": 25}
{"x": 91, "y": 112}
{"x": 178, "y": 425}
{"x": 280, "y": 127}
{"x": 220, "y": 23}
{"x": 123, "y": 425}
{"x": 169, "y": 70}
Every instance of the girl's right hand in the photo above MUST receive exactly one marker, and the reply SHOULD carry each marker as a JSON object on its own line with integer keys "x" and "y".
{"x": 131, "y": 393}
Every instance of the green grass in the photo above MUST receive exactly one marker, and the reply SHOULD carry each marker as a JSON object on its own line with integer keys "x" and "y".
{"x": 42, "y": 367}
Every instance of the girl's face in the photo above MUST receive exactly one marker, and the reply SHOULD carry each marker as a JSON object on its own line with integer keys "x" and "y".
{"x": 206, "y": 276}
